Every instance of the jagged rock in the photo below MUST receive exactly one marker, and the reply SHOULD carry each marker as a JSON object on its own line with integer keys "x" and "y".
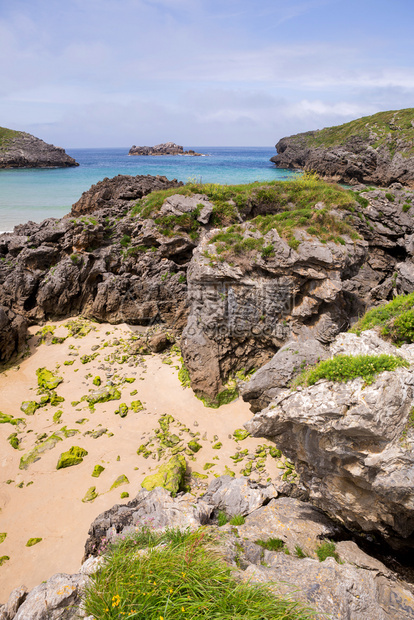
{"x": 118, "y": 190}
{"x": 277, "y": 374}
{"x": 351, "y": 442}
{"x": 156, "y": 509}
{"x": 296, "y": 523}
{"x": 22, "y": 150}
{"x": 16, "y": 598}
{"x": 375, "y": 150}
{"x": 340, "y": 591}
{"x": 58, "y": 598}
{"x": 160, "y": 342}
{"x": 241, "y": 313}
{"x": 178, "y": 204}
{"x": 13, "y": 333}
{"x": 237, "y": 496}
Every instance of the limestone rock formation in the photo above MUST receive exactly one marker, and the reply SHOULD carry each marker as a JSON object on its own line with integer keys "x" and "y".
{"x": 166, "y": 148}
{"x": 351, "y": 443}
{"x": 22, "y": 150}
{"x": 119, "y": 191}
{"x": 376, "y": 149}
{"x": 360, "y": 587}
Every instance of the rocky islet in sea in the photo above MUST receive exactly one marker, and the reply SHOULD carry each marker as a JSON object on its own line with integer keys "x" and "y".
{"x": 244, "y": 290}
{"x": 166, "y": 148}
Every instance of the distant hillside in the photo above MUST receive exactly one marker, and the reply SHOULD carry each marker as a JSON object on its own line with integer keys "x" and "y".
{"x": 376, "y": 149}
{"x": 22, "y": 150}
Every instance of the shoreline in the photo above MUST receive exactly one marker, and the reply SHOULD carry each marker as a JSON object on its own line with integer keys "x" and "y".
{"x": 47, "y": 503}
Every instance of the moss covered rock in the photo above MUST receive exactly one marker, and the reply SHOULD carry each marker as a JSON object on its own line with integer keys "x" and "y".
{"x": 74, "y": 456}
{"x": 194, "y": 446}
{"x": 14, "y": 441}
{"x": 4, "y": 559}
{"x": 29, "y": 407}
{"x": 136, "y": 405}
{"x": 90, "y": 495}
{"x": 122, "y": 479}
{"x": 2, "y": 537}
{"x": 240, "y": 434}
{"x": 170, "y": 476}
{"x": 35, "y": 454}
{"x": 97, "y": 470}
{"x": 97, "y": 381}
{"x": 33, "y": 541}
{"x": 9, "y": 419}
{"x": 122, "y": 410}
{"x": 103, "y": 395}
{"x": 47, "y": 380}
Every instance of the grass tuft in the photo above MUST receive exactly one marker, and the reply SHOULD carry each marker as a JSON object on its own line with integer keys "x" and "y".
{"x": 179, "y": 575}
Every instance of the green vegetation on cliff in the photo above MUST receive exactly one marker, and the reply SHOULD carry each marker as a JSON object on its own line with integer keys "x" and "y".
{"x": 347, "y": 367}
{"x": 6, "y": 135}
{"x": 381, "y": 129}
{"x": 394, "y": 320}
{"x": 180, "y": 576}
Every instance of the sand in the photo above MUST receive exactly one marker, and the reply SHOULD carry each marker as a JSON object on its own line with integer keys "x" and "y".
{"x": 43, "y": 502}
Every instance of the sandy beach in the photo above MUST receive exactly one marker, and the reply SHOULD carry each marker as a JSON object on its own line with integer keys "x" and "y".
{"x": 43, "y": 502}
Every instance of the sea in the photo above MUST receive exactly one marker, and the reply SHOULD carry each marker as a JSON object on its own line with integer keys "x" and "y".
{"x": 36, "y": 194}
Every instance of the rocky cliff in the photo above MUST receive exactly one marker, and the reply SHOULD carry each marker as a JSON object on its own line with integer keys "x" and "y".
{"x": 376, "y": 150}
{"x": 167, "y": 148}
{"x": 22, "y": 150}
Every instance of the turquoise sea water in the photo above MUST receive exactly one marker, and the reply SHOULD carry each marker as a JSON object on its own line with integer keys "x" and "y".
{"x": 35, "y": 194}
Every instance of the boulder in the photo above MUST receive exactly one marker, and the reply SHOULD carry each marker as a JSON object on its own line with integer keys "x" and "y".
{"x": 237, "y": 496}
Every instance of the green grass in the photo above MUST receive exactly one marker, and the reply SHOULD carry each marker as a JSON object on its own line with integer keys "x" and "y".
{"x": 222, "y": 518}
{"x": 347, "y": 367}
{"x": 237, "y": 520}
{"x": 272, "y": 544}
{"x": 184, "y": 578}
{"x": 327, "y": 550}
{"x": 381, "y": 126}
{"x": 6, "y": 135}
{"x": 394, "y": 320}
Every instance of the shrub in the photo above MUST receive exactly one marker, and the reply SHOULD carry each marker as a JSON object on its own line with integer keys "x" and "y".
{"x": 180, "y": 576}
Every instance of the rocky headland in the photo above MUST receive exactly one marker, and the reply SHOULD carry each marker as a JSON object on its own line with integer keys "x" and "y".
{"x": 22, "y": 150}
{"x": 258, "y": 286}
{"x": 166, "y": 148}
{"x": 377, "y": 150}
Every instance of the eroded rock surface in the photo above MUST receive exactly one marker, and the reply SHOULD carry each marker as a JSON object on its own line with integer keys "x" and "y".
{"x": 22, "y": 150}
{"x": 352, "y": 443}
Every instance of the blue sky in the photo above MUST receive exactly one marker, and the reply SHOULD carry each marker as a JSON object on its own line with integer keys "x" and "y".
{"x": 91, "y": 73}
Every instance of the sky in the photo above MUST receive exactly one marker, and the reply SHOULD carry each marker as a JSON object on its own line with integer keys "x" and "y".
{"x": 112, "y": 73}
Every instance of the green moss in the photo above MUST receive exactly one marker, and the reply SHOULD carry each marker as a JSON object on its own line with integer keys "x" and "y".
{"x": 9, "y": 419}
{"x": 68, "y": 362}
{"x": 208, "y": 466}
{"x": 170, "y": 476}
{"x": 229, "y": 472}
{"x": 198, "y": 476}
{"x": 124, "y": 494}
{"x": 347, "y": 367}
{"x": 217, "y": 445}
{"x": 55, "y": 400}
{"x": 275, "y": 453}
{"x": 33, "y": 541}
{"x": 97, "y": 470}
{"x": 71, "y": 457}
{"x": 4, "y": 559}
{"x": 97, "y": 381}
{"x": 35, "y": 454}
{"x": 240, "y": 434}
{"x": 47, "y": 380}
{"x": 122, "y": 479}
{"x": 44, "y": 332}
{"x": 224, "y": 397}
{"x": 136, "y": 405}
{"x": 184, "y": 377}
{"x": 78, "y": 328}
{"x": 57, "y": 416}
{"x": 14, "y": 441}
{"x": 164, "y": 421}
{"x": 85, "y": 359}
{"x": 29, "y": 407}
{"x": 102, "y": 395}
{"x": 122, "y": 410}
{"x": 90, "y": 495}
{"x": 194, "y": 446}
{"x": 144, "y": 451}
{"x": 2, "y": 537}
